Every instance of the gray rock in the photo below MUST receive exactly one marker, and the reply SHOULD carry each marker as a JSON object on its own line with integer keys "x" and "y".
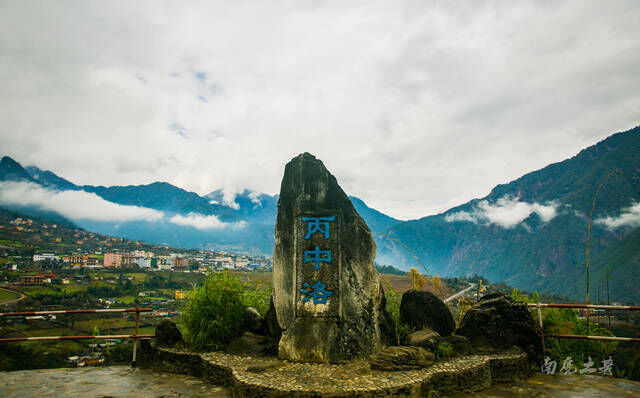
{"x": 425, "y": 338}
{"x": 253, "y": 321}
{"x": 499, "y": 322}
{"x": 271, "y": 320}
{"x": 421, "y": 309}
{"x": 167, "y": 334}
{"x": 253, "y": 345}
{"x": 460, "y": 344}
{"x": 401, "y": 358}
{"x": 346, "y": 322}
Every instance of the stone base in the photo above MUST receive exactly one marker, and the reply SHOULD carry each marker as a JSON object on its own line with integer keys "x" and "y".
{"x": 271, "y": 377}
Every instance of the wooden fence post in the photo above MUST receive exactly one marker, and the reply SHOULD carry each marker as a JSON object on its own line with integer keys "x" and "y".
{"x": 135, "y": 337}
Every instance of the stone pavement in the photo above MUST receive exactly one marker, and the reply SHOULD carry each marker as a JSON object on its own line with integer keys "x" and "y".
{"x": 110, "y": 381}
{"x": 560, "y": 386}
{"x": 123, "y": 381}
{"x": 271, "y": 377}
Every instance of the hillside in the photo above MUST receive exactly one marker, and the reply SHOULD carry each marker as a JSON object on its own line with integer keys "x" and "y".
{"x": 531, "y": 232}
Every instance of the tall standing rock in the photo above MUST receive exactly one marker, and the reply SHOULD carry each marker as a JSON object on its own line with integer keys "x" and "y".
{"x": 327, "y": 294}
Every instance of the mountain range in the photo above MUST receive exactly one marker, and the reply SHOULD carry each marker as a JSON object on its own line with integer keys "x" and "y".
{"x": 179, "y": 218}
{"x": 530, "y": 232}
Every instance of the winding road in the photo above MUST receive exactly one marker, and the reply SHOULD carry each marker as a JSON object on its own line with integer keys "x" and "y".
{"x": 460, "y": 293}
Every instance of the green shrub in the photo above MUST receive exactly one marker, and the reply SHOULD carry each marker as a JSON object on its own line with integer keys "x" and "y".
{"x": 393, "y": 299}
{"x": 212, "y": 313}
{"x": 444, "y": 350}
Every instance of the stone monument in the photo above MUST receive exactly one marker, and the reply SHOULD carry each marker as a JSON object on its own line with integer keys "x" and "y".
{"x": 327, "y": 294}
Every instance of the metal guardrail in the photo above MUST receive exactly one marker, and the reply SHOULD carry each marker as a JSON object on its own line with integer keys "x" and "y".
{"x": 539, "y": 306}
{"x": 134, "y": 336}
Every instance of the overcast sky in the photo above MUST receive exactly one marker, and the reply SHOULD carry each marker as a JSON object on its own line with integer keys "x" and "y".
{"x": 414, "y": 106}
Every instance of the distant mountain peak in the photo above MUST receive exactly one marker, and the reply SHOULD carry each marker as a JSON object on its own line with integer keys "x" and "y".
{"x": 10, "y": 170}
{"x": 50, "y": 179}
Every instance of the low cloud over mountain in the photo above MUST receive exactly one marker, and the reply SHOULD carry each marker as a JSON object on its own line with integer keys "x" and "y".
{"x": 506, "y": 212}
{"x": 629, "y": 217}
{"x": 202, "y": 222}
{"x": 74, "y": 205}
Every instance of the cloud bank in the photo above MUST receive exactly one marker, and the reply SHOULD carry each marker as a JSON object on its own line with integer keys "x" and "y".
{"x": 414, "y": 106}
{"x": 203, "y": 222}
{"x": 74, "y": 205}
{"x": 506, "y": 212}
{"x": 630, "y": 216}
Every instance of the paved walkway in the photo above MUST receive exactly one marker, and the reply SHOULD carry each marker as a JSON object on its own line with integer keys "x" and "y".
{"x": 123, "y": 381}
{"x": 110, "y": 381}
{"x": 560, "y": 386}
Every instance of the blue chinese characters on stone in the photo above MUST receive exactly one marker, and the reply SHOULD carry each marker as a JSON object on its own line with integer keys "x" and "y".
{"x": 319, "y": 293}
{"x": 318, "y": 224}
{"x": 315, "y": 256}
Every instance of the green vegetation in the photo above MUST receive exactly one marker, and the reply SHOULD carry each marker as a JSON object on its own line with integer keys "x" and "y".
{"x": 37, "y": 355}
{"x": 213, "y": 312}
{"x": 566, "y": 321}
{"x": 393, "y": 299}
{"x": 443, "y": 350}
{"x": 389, "y": 269}
{"x": 7, "y": 295}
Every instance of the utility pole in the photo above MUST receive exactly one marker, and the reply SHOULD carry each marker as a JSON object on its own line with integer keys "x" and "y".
{"x": 593, "y": 206}
{"x": 608, "y": 297}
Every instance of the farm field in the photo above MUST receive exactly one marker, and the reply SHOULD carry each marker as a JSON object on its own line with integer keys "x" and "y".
{"x": 6, "y": 295}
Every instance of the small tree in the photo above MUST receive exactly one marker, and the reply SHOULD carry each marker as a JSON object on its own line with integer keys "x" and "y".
{"x": 418, "y": 280}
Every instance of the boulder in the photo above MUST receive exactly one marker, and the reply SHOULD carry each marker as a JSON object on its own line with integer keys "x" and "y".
{"x": 498, "y": 323}
{"x": 425, "y": 338}
{"x": 460, "y": 344}
{"x": 327, "y": 294}
{"x": 402, "y": 358}
{"x": 167, "y": 334}
{"x": 253, "y": 321}
{"x": 253, "y": 345}
{"x": 271, "y": 321}
{"x": 421, "y": 309}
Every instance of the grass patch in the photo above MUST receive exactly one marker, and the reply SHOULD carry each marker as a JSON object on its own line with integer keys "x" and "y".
{"x": 6, "y": 295}
{"x": 125, "y": 299}
{"x": 147, "y": 330}
{"x": 104, "y": 324}
{"x": 37, "y": 292}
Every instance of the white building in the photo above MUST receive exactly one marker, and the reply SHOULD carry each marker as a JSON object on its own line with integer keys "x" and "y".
{"x": 142, "y": 253}
{"x": 143, "y": 262}
{"x": 164, "y": 263}
{"x": 45, "y": 256}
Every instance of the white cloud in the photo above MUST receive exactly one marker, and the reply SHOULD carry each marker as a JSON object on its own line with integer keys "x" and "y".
{"x": 506, "y": 212}
{"x": 255, "y": 198}
{"x": 203, "y": 222}
{"x": 629, "y": 216}
{"x": 415, "y": 106}
{"x": 460, "y": 216}
{"x": 229, "y": 198}
{"x": 75, "y": 205}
